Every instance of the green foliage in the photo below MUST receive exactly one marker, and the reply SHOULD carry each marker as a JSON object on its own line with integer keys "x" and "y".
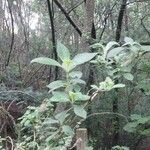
{"x": 82, "y": 58}
{"x": 139, "y": 125}
{"x": 64, "y": 55}
{"x": 1, "y": 141}
{"x": 117, "y": 63}
{"x": 122, "y": 56}
{"x": 107, "y": 85}
{"x": 43, "y": 128}
{"x": 80, "y": 111}
{"x": 63, "y": 52}
{"x": 120, "y": 148}
{"x": 47, "y": 129}
{"x": 45, "y": 61}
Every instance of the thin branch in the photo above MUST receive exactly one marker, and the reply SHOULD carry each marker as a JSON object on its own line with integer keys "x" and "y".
{"x": 105, "y": 20}
{"x": 76, "y": 5}
{"x": 104, "y": 113}
{"x": 142, "y": 23}
{"x": 68, "y": 17}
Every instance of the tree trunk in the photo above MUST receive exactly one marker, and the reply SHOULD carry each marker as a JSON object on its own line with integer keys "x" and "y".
{"x": 51, "y": 16}
{"x": 115, "y": 99}
{"x": 12, "y": 32}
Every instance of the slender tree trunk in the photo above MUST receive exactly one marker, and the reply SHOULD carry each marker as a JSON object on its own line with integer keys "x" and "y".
{"x": 12, "y": 33}
{"x": 120, "y": 20}
{"x": 88, "y": 33}
{"x": 127, "y": 22}
{"x": 115, "y": 100}
{"x": 51, "y": 16}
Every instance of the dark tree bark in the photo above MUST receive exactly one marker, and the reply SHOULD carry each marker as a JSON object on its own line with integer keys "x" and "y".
{"x": 115, "y": 99}
{"x": 53, "y": 36}
{"x": 142, "y": 23}
{"x": 12, "y": 33}
{"x": 105, "y": 21}
{"x": 120, "y": 19}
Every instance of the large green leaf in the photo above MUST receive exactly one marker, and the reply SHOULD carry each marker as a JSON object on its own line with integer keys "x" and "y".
{"x": 119, "y": 86}
{"x": 77, "y": 81}
{"x": 49, "y": 121}
{"x": 128, "y": 40}
{"x": 52, "y": 136}
{"x": 120, "y": 148}
{"x": 67, "y": 130}
{"x": 63, "y": 52}
{"x": 68, "y": 65}
{"x": 115, "y": 51}
{"x": 61, "y": 116}
{"x": 83, "y": 57}
{"x": 146, "y": 48}
{"x": 59, "y": 97}
{"x": 46, "y": 61}
{"x": 109, "y": 46}
{"x": 128, "y": 76}
{"x": 78, "y": 96}
{"x": 80, "y": 111}
{"x": 75, "y": 74}
{"x": 131, "y": 127}
{"x": 135, "y": 117}
{"x": 56, "y": 84}
{"x": 81, "y": 97}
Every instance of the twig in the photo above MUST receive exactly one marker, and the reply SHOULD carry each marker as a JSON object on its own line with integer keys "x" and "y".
{"x": 68, "y": 17}
{"x": 77, "y": 5}
{"x": 142, "y": 23}
{"x": 103, "y": 113}
{"x": 10, "y": 141}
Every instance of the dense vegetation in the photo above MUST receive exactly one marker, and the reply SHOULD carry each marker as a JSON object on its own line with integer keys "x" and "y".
{"x": 74, "y": 64}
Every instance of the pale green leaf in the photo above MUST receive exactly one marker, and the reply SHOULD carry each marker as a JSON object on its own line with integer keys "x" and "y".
{"x": 81, "y": 97}
{"x": 114, "y": 52}
{"x": 119, "y": 86}
{"x": 97, "y": 45}
{"x": 128, "y": 76}
{"x": 94, "y": 87}
{"x": 61, "y": 116}
{"x": 89, "y": 148}
{"x": 46, "y": 61}
{"x": 77, "y": 81}
{"x": 128, "y": 40}
{"x": 130, "y": 127}
{"x": 68, "y": 65}
{"x": 67, "y": 130}
{"x": 49, "y": 121}
{"x": 146, "y": 48}
{"x": 80, "y": 111}
{"x": 52, "y": 137}
{"x": 111, "y": 45}
{"x": 77, "y": 88}
{"x": 56, "y": 84}
{"x": 119, "y": 148}
{"x": 59, "y": 97}
{"x": 75, "y": 74}
{"x": 83, "y": 57}
{"x": 135, "y": 117}
{"x": 63, "y": 52}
